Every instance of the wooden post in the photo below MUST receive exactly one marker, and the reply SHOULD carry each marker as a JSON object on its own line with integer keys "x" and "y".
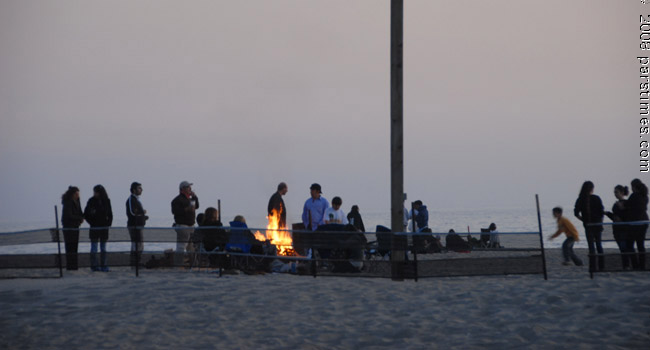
{"x": 541, "y": 236}
{"x": 397, "y": 137}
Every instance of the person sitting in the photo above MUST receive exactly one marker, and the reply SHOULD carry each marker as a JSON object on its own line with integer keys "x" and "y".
{"x": 334, "y": 214}
{"x": 211, "y": 234}
{"x": 241, "y": 238}
{"x": 494, "y": 237}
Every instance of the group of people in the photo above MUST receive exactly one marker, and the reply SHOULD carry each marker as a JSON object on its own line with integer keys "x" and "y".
{"x": 98, "y": 213}
{"x": 589, "y": 209}
{"x": 317, "y": 211}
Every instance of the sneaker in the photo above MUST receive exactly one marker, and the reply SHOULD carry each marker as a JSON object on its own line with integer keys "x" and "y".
{"x": 105, "y": 269}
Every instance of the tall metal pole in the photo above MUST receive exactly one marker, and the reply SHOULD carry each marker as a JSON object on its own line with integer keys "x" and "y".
{"x": 397, "y": 137}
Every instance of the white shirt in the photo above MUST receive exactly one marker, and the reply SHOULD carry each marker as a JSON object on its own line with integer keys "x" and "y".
{"x": 337, "y": 216}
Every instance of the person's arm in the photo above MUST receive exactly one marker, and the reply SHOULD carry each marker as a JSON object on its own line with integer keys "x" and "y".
{"x": 560, "y": 228}
{"x": 577, "y": 211}
{"x": 110, "y": 214}
{"x": 305, "y": 216}
{"x": 196, "y": 199}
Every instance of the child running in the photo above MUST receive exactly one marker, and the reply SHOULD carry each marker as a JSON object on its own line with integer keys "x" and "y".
{"x": 564, "y": 225}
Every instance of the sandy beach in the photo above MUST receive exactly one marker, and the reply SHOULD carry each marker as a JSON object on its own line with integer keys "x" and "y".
{"x": 174, "y": 309}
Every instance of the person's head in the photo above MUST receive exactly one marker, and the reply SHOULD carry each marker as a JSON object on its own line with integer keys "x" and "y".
{"x": 136, "y": 188}
{"x": 557, "y": 212}
{"x": 586, "y": 189}
{"x": 492, "y": 227}
{"x": 451, "y": 230}
{"x": 354, "y": 209}
{"x": 200, "y": 219}
{"x": 315, "y": 190}
{"x": 185, "y": 188}
{"x": 283, "y": 188}
{"x": 211, "y": 215}
{"x": 417, "y": 204}
{"x": 240, "y": 218}
{"x": 71, "y": 194}
{"x": 336, "y": 203}
{"x": 639, "y": 187}
{"x": 620, "y": 192}
{"x": 100, "y": 192}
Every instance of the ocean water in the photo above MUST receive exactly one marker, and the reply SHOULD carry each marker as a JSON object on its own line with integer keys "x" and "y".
{"x": 440, "y": 221}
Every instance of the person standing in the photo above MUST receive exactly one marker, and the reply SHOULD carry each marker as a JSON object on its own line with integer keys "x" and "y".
{"x": 314, "y": 208}
{"x": 589, "y": 209}
{"x": 354, "y": 217}
{"x": 565, "y": 226}
{"x": 184, "y": 209}
{"x": 99, "y": 215}
{"x": 637, "y": 209}
{"x": 621, "y": 232}
{"x": 136, "y": 219}
{"x": 277, "y": 203}
{"x": 71, "y": 218}
{"x": 420, "y": 216}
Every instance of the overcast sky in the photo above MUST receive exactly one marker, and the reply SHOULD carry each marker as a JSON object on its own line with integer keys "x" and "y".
{"x": 503, "y": 100}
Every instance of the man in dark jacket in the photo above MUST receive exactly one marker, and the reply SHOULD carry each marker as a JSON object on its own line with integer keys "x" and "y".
{"x": 184, "y": 209}
{"x": 277, "y": 203}
{"x": 136, "y": 219}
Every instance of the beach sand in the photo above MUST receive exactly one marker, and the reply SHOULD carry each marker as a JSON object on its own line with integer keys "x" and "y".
{"x": 181, "y": 309}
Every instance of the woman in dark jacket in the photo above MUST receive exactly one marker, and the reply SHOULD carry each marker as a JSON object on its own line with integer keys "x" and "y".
{"x": 212, "y": 235}
{"x": 637, "y": 210}
{"x": 589, "y": 209}
{"x": 354, "y": 218}
{"x": 621, "y": 232}
{"x": 99, "y": 215}
{"x": 71, "y": 218}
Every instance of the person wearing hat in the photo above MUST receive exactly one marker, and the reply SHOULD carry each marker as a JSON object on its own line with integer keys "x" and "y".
{"x": 184, "y": 209}
{"x": 314, "y": 209}
{"x": 136, "y": 219}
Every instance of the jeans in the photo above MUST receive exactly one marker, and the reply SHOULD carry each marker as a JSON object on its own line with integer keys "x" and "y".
{"x": 569, "y": 254}
{"x": 93, "y": 254}
{"x": 594, "y": 234}
{"x": 71, "y": 236}
{"x": 638, "y": 238}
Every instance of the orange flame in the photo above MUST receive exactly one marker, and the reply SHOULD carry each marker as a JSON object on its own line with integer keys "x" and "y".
{"x": 281, "y": 239}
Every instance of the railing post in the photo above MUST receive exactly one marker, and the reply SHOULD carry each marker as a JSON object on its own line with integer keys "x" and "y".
{"x": 541, "y": 237}
{"x": 58, "y": 239}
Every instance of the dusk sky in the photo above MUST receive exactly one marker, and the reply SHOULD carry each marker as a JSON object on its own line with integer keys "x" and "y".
{"x": 503, "y": 100}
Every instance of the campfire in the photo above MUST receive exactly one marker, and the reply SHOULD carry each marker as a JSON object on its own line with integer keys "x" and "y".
{"x": 274, "y": 234}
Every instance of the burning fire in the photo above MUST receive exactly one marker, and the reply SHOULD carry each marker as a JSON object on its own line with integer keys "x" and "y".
{"x": 281, "y": 239}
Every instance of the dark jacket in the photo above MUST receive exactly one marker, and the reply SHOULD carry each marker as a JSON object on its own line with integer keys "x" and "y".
{"x": 134, "y": 212}
{"x": 637, "y": 207}
{"x": 184, "y": 213}
{"x": 276, "y": 202}
{"x": 591, "y": 211}
{"x": 98, "y": 213}
{"x": 619, "y": 214}
{"x": 354, "y": 217}
{"x": 212, "y": 235}
{"x": 422, "y": 219}
{"x": 72, "y": 216}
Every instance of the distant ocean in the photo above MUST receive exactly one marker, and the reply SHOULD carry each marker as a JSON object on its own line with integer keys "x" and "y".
{"x": 440, "y": 221}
